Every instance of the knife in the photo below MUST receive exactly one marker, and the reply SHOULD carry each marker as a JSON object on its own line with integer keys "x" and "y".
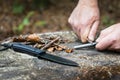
{"x": 18, "y": 47}
{"x": 85, "y": 45}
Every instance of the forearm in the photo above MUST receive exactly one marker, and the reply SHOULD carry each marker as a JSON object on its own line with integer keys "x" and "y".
{"x": 91, "y": 3}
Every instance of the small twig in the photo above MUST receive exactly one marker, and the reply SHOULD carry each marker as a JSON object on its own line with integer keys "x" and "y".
{"x": 50, "y": 43}
{"x": 61, "y": 46}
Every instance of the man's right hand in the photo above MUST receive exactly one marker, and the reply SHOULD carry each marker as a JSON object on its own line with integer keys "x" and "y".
{"x": 85, "y": 19}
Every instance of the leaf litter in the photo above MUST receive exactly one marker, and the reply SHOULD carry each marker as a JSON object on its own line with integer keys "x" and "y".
{"x": 50, "y": 44}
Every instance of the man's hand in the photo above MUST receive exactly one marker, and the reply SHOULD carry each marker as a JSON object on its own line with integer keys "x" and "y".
{"x": 85, "y": 19}
{"x": 109, "y": 38}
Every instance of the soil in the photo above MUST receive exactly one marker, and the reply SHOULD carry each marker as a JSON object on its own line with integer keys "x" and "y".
{"x": 55, "y": 16}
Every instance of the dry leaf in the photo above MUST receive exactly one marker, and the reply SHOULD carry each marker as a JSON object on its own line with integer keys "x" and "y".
{"x": 19, "y": 39}
{"x": 51, "y": 49}
{"x": 38, "y": 45}
{"x": 33, "y": 38}
{"x": 64, "y": 47}
{"x": 58, "y": 48}
{"x": 51, "y": 46}
{"x": 69, "y": 50}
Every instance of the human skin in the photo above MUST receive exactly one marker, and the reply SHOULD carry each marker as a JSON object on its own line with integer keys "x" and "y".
{"x": 85, "y": 20}
{"x": 109, "y": 38}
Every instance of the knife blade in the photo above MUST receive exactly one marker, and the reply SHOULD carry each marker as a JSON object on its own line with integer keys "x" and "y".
{"x": 18, "y": 47}
{"x": 85, "y": 45}
{"x": 58, "y": 59}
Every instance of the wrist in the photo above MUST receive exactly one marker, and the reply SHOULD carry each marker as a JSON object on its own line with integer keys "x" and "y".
{"x": 91, "y": 3}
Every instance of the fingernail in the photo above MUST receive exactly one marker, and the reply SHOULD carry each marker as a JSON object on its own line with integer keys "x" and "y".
{"x": 91, "y": 39}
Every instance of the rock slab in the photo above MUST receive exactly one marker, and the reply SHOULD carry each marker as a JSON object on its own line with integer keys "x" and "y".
{"x": 93, "y": 65}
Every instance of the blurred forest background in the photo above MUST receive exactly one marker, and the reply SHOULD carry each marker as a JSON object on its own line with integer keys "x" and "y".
{"x": 37, "y": 16}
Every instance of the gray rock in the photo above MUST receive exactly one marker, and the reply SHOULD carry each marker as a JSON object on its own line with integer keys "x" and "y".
{"x": 94, "y": 65}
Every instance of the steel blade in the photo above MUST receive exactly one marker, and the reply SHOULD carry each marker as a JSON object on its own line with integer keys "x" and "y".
{"x": 58, "y": 59}
{"x": 85, "y": 45}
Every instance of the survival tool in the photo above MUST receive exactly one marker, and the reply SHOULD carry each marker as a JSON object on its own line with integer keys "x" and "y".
{"x": 91, "y": 44}
{"x": 19, "y": 47}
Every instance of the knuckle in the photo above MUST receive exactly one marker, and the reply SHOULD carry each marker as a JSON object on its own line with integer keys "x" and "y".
{"x": 73, "y": 22}
{"x": 69, "y": 20}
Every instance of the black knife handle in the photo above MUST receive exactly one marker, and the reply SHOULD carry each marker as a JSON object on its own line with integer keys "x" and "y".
{"x": 18, "y": 47}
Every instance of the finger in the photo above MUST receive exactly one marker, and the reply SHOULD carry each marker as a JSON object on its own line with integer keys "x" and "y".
{"x": 84, "y": 32}
{"x": 115, "y": 47}
{"x": 93, "y": 31}
{"x": 104, "y": 43}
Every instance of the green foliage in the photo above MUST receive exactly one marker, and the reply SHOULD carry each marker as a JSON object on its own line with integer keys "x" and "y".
{"x": 40, "y": 23}
{"x": 41, "y": 4}
{"x": 25, "y": 22}
{"x": 17, "y": 8}
{"x": 107, "y": 21}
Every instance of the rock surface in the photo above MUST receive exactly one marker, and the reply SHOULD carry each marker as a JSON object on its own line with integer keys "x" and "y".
{"x": 94, "y": 65}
